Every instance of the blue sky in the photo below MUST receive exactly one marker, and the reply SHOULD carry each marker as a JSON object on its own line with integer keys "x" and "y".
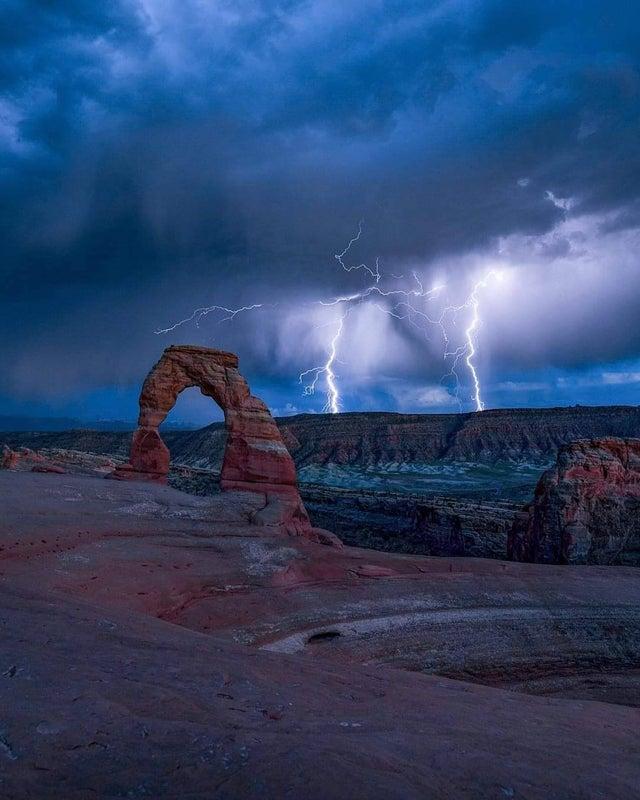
{"x": 157, "y": 157}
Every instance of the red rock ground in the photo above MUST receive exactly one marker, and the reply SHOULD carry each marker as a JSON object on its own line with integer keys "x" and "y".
{"x": 159, "y": 645}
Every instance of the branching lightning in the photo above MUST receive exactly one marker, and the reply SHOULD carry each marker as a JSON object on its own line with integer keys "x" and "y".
{"x": 375, "y": 273}
{"x": 347, "y": 303}
{"x": 333, "y": 395}
{"x": 199, "y": 313}
{"x": 401, "y": 304}
{"x": 468, "y": 350}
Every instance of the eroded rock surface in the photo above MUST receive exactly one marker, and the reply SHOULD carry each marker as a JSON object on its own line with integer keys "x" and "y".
{"x": 157, "y": 644}
{"x": 586, "y": 509}
{"x": 55, "y": 460}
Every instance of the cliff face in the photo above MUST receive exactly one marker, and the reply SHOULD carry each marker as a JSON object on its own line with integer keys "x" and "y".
{"x": 586, "y": 509}
{"x": 500, "y": 435}
{"x": 404, "y": 523}
{"x": 369, "y": 439}
{"x": 366, "y": 439}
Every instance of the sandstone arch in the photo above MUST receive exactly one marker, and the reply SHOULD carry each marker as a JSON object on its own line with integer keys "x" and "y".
{"x": 255, "y": 458}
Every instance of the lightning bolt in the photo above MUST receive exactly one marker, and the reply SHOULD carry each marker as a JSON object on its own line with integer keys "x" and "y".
{"x": 349, "y": 302}
{"x": 199, "y": 313}
{"x": 468, "y": 350}
{"x": 375, "y": 274}
{"x": 333, "y": 395}
{"x": 471, "y": 345}
{"x": 399, "y": 304}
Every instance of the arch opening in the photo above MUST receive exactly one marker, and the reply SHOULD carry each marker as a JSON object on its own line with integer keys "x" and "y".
{"x": 193, "y": 410}
{"x": 195, "y": 433}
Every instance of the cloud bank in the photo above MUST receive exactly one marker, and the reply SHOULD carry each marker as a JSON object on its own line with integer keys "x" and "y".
{"x": 158, "y": 156}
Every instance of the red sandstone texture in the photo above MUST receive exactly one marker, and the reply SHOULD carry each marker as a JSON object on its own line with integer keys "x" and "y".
{"x": 158, "y": 645}
{"x": 586, "y": 509}
{"x": 25, "y": 459}
{"x": 55, "y": 460}
{"x": 255, "y": 457}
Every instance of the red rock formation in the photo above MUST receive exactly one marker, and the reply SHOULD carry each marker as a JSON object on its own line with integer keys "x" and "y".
{"x": 9, "y": 458}
{"x": 255, "y": 457}
{"x": 586, "y": 509}
{"x": 25, "y": 459}
{"x": 55, "y": 460}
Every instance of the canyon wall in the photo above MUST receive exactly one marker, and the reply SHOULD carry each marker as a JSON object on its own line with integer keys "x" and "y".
{"x": 586, "y": 509}
{"x": 370, "y": 438}
{"x": 364, "y": 439}
{"x": 405, "y": 523}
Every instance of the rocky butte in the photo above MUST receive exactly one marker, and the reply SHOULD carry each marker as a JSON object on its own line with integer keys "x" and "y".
{"x": 586, "y": 509}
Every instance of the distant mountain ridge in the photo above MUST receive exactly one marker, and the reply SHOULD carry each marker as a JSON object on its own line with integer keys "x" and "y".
{"x": 20, "y": 423}
{"x": 15, "y": 422}
{"x": 366, "y": 439}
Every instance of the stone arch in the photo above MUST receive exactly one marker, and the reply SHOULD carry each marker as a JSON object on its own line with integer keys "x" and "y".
{"x": 255, "y": 457}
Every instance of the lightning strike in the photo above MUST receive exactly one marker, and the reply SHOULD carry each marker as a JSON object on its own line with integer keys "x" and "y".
{"x": 400, "y": 304}
{"x": 199, "y": 313}
{"x": 333, "y": 395}
{"x": 375, "y": 274}
{"x": 350, "y": 301}
{"x": 468, "y": 350}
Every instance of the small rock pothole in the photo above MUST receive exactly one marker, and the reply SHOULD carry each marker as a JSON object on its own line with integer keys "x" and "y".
{"x": 323, "y": 636}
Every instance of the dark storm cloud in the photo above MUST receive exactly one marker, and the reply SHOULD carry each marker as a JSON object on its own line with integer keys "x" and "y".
{"x": 158, "y": 156}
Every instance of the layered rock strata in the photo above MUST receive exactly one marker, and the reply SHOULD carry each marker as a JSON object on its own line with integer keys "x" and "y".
{"x": 586, "y": 509}
{"x": 371, "y": 438}
{"x": 412, "y": 523}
